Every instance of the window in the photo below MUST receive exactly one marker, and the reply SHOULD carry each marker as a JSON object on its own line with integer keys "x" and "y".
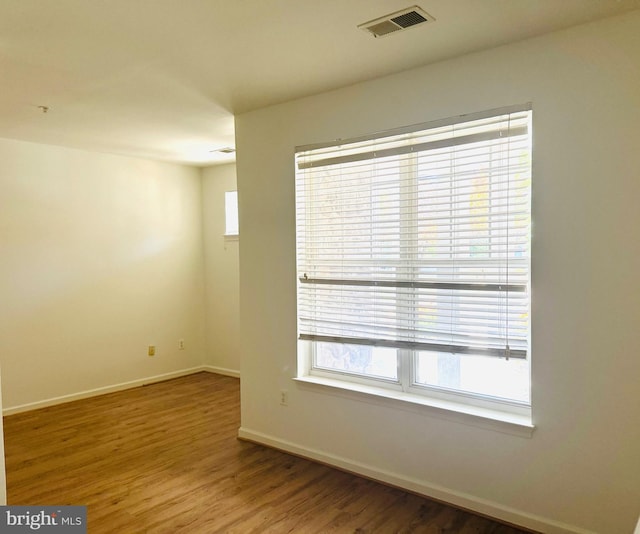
{"x": 231, "y": 213}
{"x": 413, "y": 258}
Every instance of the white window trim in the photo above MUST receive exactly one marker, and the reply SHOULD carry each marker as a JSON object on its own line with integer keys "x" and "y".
{"x": 491, "y": 414}
{"x": 486, "y": 412}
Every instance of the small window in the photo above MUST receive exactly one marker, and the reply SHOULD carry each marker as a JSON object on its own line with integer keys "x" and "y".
{"x": 231, "y": 213}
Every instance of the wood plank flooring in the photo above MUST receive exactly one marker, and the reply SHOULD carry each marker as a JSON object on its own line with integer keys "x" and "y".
{"x": 164, "y": 458}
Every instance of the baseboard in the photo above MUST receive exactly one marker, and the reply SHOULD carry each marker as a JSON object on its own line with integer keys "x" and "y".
{"x": 433, "y": 491}
{"x": 221, "y": 371}
{"x": 101, "y": 391}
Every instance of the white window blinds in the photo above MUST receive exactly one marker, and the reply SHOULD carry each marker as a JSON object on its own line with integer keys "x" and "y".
{"x": 419, "y": 238}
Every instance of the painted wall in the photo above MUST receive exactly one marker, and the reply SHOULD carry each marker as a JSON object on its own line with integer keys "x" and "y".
{"x": 101, "y": 256}
{"x": 579, "y": 471}
{"x": 221, "y": 273}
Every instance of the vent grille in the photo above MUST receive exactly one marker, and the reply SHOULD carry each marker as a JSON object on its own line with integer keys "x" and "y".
{"x": 409, "y": 19}
{"x": 224, "y": 150}
{"x": 397, "y": 21}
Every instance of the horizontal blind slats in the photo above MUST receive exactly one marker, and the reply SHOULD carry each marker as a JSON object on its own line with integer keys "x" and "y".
{"x": 430, "y": 215}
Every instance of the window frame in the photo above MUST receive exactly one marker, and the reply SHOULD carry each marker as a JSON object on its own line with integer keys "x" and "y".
{"x": 231, "y": 215}
{"x": 406, "y": 383}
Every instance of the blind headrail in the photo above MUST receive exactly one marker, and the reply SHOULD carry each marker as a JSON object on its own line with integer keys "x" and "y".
{"x": 418, "y": 147}
{"x": 438, "y": 123}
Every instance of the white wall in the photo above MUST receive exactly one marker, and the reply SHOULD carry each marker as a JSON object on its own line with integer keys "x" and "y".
{"x": 579, "y": 471}
{"x": 221, "y": 274}
{"x": 101, "y": 256}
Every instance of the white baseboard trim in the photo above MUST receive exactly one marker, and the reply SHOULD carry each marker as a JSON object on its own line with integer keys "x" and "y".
{"x": 434, "y": 491}
{"x": 101, "y": 391}
{"x": 221, "y": 371}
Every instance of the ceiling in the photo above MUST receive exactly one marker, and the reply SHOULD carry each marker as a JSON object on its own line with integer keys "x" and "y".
{"x": 162, "y": 79}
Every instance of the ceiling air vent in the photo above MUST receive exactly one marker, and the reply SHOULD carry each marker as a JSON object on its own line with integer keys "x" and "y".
{"x": 395, "y": 22}
{"x": 225, "y": 150}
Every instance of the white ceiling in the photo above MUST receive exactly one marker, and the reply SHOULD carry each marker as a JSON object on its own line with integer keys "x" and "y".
{"x": 162, "y": 79}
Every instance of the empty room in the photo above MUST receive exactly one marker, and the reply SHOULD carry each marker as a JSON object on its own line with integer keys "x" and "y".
{"x": 320, "y": 266}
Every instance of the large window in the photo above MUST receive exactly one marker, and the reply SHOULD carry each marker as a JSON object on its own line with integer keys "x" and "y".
{"x": 414, "y": 258}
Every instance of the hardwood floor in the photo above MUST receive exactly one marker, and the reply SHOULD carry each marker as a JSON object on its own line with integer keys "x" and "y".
{"x": 164, "y": 458}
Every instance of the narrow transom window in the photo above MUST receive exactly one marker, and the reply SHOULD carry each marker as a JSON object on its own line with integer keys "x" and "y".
{"x": 231, "y": 213}
{"x": 413, "y": 257}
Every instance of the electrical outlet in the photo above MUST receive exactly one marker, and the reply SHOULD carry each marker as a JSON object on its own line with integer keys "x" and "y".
{"x": 284, "y": 397}
{"x": 152, "y": 350}
{"x": 181, "y": 344}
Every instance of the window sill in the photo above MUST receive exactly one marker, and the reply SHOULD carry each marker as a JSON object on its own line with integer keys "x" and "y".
{"x": 231, "y": 237}
{"x": 496, "y": 420}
